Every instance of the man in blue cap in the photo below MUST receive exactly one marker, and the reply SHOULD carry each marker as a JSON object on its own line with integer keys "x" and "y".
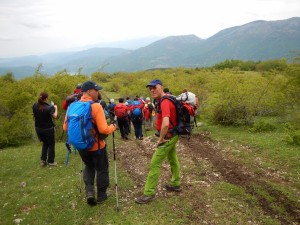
{"x": 166, "y": 145}
{"x": 95, "y": 158}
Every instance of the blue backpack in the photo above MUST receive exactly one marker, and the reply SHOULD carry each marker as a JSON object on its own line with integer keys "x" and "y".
{"x": 136, "y": 110}
{"x": 80, "y": 126}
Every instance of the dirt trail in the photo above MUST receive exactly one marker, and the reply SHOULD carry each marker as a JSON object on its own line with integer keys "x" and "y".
{"x": 216, "y": 166}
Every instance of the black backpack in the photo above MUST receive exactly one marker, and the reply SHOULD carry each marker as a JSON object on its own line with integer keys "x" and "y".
{"x": 150, "y": 107}
{"x": 183, "y": 126}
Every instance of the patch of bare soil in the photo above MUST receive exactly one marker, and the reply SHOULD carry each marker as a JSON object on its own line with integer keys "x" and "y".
{"x": 201, "y": 152}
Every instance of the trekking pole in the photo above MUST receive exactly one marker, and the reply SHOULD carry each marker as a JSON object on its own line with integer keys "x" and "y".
{"x": 80, "y": 188}
{"x": 115, "y": 165}
{"x": 69, "y": 152}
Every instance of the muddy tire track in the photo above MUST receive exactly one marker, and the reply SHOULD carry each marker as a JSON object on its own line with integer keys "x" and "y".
{"x": 135, "y": 156}
{"x": 237, "y": 174}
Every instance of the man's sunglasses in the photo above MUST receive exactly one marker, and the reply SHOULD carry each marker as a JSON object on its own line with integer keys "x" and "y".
{"x": 152, "y": 88}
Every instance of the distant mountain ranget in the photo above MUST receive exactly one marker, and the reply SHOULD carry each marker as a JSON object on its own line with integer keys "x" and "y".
{"x": 256, "y": 41}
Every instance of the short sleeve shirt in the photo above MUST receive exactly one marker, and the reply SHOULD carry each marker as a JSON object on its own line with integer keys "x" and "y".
{"x": 43, "y": 119}
{"x": 167, "y": 110}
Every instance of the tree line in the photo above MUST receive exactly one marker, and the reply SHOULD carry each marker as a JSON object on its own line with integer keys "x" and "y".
{"x": 263, "y": 98}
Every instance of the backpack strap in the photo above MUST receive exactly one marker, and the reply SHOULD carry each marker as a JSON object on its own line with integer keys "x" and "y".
{"x": 96, "y": 128}
{"x": 187, "y": 97}
{"x": 172, "y": 98}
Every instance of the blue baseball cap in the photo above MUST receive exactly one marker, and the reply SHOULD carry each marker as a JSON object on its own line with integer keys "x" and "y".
{"x": 154, "y": 83}
{"x": 88, "y": 85}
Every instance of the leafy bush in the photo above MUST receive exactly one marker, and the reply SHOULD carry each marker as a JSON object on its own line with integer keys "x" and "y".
{"x": 268, "y": 65}
{"x": 230, "y": 64}
{"x": 226, "y": 115}
{"x": 17, "y": 98}
{"x": 263, "y": 125}
{"x": 292, "y": 135}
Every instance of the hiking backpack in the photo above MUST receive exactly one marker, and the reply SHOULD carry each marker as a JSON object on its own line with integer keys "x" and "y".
{"x": 103, "y": 104}
{"x": 111, "y": 109}
{"x": 183, "y": 113}
{"x": 80, "y": 126}
{"x": 136, "y": 108}
{"x": 150, "y": 107}
{"x": 121, "y": 110}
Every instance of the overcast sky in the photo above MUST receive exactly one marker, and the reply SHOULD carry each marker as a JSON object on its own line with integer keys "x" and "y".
{"x": 40, "y": 26}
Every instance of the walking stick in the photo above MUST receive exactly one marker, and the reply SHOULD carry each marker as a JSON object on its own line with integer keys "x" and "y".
{"x": 69, "y": 152}
{"x": 195, "y": 121}
{"x": 115, "y": 165}
{"x": 80, "y": 188}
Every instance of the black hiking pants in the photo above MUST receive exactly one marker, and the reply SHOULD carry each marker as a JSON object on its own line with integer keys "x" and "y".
{"x": 48, "y": 149}
{"x": 123, "y": 125}
{"x": 96, "y": 165}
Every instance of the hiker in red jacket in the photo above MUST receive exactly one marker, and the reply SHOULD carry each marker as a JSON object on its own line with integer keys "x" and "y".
{"x": 148, "y": 114}
{"x": 166, "y": 145}
{"x": 121, "y": 111}
{"x": 72, "y": 97}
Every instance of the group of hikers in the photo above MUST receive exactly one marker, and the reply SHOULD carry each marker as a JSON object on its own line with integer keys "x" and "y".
{"x": 121, "y": 115}
{"x": 136, "y": 112}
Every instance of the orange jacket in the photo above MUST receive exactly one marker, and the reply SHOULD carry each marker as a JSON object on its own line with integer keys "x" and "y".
{"x": 98, "y": 119}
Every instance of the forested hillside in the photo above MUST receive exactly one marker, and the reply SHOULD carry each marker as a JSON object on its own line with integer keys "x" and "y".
{"x": 229, "y": 96}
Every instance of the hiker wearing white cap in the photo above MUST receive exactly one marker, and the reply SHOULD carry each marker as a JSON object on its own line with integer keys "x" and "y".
{"x": 148, "y": 114}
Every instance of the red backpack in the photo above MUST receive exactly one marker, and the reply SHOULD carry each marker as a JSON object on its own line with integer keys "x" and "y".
{"x": 146, "y": 113}
{"x": 121, "y": 110}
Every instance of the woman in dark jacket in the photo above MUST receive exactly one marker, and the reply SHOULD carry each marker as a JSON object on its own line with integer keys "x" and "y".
{"x": 43, "y": 113}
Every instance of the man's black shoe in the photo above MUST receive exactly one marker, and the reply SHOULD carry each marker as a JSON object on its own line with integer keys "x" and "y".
{"x": 90, "y": 198}
{"x": 91, "y": 201}
{"x": 173, "y": 188}
{"x": 102, "y": 197}
{"x": 144, "y": 199}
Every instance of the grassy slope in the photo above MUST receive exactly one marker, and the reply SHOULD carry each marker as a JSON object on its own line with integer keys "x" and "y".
{"x": 51, "y": 195}
{"x": 45, "y": 195}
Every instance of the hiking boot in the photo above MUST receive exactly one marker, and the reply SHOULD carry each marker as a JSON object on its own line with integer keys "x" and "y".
{"x": 43, "y": 163}
{"x": 90, "y": 195}
{"x": 173, "y": 188}
{"x": 144, "y": 199}
{"x": 90, "y": 199}
{"x": 52, "y": 164}
{"x": 102, "y": 196}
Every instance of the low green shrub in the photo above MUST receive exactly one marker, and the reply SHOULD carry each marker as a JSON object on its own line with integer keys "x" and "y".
{"x": 292, "y": 135}
{"x": 231, "y": 116}
{"x": 262, "y": 125}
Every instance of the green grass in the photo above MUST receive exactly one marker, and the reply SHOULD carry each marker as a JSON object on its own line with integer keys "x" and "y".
{"x": 44, "y": 195}
{"x": 51, "y": 195}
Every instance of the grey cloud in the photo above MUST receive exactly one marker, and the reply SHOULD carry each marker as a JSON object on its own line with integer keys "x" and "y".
{"x": 26, "y": 13}
{"x": 34, "y": 25}
{"x": 6, "y": 38}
